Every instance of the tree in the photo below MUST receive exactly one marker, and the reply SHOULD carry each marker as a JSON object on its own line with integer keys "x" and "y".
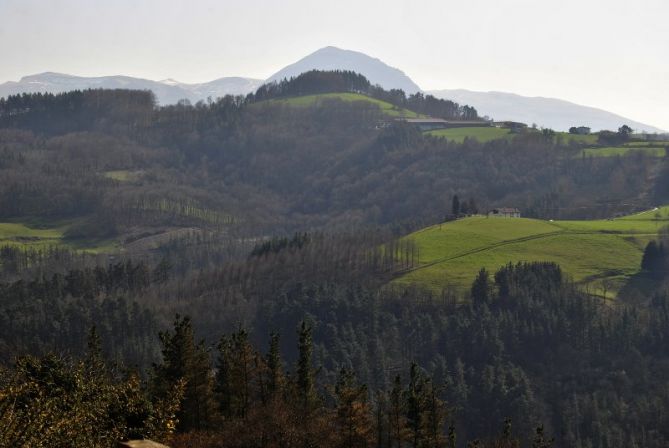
{"x": 548, "y": 134}
{"x": 415, "y": 403}
{"x": 472, "y": 208}
{"x": 305, "y": 372}
{"x": 352, "y": 415}
{"x": 276, "y": 376}
{"x": 654, "y": 259}
{"x": 481, "y": 291}
{"x": 239, "y": 381}
{"x": 396, "y": 414}
{"x": 540, "y": 440}
{"x": 625, "y": 131}
{"x": 185, "y": 360}
{"x": 54, "y": 401}
{"x": 223, "y": 387}
{"x": 455, "y": 208}
{"x": 436, "y": 413}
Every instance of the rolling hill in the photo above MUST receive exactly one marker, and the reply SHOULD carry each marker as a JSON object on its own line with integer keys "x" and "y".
{"x": 603, "y": 256}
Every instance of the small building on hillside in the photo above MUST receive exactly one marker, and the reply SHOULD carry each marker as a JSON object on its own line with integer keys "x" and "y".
{"x": 504, "y": 212}
{"x": 430, "y": 124}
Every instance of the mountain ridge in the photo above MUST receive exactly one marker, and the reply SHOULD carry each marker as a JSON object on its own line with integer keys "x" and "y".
{"x": 167, "y": 91}
{"x": 547, "y": 112}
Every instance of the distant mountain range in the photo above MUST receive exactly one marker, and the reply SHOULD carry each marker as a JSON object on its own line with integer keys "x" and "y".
{"x": 167, "y": 91}
{"x": 545, "y": 112}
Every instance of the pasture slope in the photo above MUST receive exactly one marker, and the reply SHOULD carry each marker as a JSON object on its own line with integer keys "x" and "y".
{"x": 486, "y": 134}
{"x": 602, "y": 255}
{"x": 312, "y": 100}
{"x": 40, "y": 236}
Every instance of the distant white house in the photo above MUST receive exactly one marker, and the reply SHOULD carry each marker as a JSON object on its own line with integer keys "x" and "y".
{"x": 504, "y": 212}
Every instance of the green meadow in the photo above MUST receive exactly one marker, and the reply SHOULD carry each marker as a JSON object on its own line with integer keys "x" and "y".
{"x": 486, "y": 134}
{"x": 310, "y": 100}
{"x": 602, "y": 255}
{"x": 39, "y": 237}
{"x": 589, "y": 139}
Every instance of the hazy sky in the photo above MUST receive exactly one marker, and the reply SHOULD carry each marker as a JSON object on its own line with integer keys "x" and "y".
{"x": 612, "y": 54}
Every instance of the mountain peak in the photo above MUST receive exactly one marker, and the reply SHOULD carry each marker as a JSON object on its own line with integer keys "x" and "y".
{"x": 334, "y": 58}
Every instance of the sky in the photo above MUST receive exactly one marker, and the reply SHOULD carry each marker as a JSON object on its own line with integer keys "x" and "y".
{"x": 611, "y": 54}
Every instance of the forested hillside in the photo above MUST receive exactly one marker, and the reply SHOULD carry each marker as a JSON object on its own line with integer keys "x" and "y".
{"x": 111, "y": 165}
{"x": 273, "y": 229}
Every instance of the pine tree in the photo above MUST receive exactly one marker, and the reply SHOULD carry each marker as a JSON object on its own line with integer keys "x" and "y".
{"x": 452, "y": 437}
{"x": 455, "y": 206}
{"x": 481, "y": 288}
{"x": 94, "y": 360}
{"x": 305, "y": 373}
{"x": 352, "y": 415}
{"x": 415, "y": 405}
{"x": 276, "y": 376}
{"x": 435, "y": 416}
{"x": 540, "y": 439}
{"x": 238, "y": 377}
{"x": 223, "y": 388}
{"x": 396, "y": 411}
{"x": 185, "y": 360}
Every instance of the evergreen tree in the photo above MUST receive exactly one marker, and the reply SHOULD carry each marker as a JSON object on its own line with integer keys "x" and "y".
{"x": 276, "y": 376}
{"x": 415, "y": 405}
{"x": 396, "y": 417}
{"x": 481, "y": 291}
{"x": 185, "y": 360}
{"x": 352, "y": 415}
{"x": 540, "y": 440}
{"x": 305, "y": 381}
{"x": 455, "y": 206}
{"x": 223, "y": 388}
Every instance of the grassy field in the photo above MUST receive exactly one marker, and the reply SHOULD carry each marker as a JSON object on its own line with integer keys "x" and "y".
{"x": 612, "y": 151}
{"x": 590, "y": 139}
{"x": 602, "y": 255}
{"x": 647, "y": 143}
{"x": 458, "y": 135}
{"x": 42, "y": 237}
{"x": 487, "y": 134}
{"x": 310, "y": 100}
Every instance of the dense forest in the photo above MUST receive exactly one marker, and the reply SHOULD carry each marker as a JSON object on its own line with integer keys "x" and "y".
{"x": 250, "y": 285}
{"x": 524, "y": 347}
